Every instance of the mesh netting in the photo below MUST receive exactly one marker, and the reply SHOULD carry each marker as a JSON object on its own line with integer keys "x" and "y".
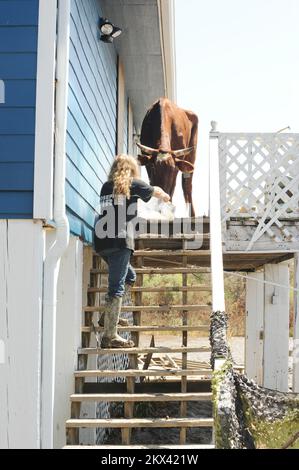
{"x": 246, "y": 415}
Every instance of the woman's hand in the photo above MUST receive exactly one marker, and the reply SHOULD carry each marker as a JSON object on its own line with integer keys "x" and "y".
{"x": 166, "y": 197}
{"x": 160, "y": 194}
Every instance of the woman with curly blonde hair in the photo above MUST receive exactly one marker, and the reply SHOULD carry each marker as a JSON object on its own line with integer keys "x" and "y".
{"x": 114, "y": 239}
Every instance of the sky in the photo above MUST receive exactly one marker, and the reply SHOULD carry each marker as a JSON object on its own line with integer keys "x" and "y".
{"x": 237, "y": 64}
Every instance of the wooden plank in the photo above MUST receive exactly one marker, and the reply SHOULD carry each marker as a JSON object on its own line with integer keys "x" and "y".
{"x": 254, "y": 327}
{"x": 161, "y": 271}
{"x": 170, "y": 253}
{"x": 276, "y": 328}
{"x": 138, "y": 301}
{"x": 175, "y": 236}
{"x": 157, "y": 350}
{"x": 148, "y": 357}
{"x": 88, "y": 329}
{"x": 21, "y": 260}
{"x": 183, "y": 406}
{"x": 202, "y": 288}
{"x": 140, "y": 423}
{"x": 128, "y": 410}
{"x": 141, "y": 397}
{"x": 142, "y": 373}
{"x": 88, "y": 340}
{"x": 296, "y": 326}
{"x": 150, "y": 308}
{"x": 69, "y": 313}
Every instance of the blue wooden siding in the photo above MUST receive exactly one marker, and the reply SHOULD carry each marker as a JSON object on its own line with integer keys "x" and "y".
{"x": 18, "y": 57}
{"x": 92, "y": 107}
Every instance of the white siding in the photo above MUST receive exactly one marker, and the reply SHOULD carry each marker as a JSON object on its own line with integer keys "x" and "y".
{"x": 69, "y": 308}
{"x": 21, "y": 274}
{"x": 276, "y": 328}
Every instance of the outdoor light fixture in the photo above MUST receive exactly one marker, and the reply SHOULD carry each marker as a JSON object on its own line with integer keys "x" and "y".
{"x": 109, "y": 32}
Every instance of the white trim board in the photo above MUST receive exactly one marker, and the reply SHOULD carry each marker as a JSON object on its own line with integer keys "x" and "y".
{"x": 45, "y": 94}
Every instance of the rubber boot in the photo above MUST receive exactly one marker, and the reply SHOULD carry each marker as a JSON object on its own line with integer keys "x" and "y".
{"x": 121, "y": 321}
{"x": 111, "y": 339}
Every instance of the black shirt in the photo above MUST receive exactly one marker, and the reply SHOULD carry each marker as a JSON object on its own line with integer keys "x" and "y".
{"x": 114, "y": 228}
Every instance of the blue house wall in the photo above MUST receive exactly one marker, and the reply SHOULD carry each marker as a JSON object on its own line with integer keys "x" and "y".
{"x": 92, "y": 116}
{"x": 18, "y": 58}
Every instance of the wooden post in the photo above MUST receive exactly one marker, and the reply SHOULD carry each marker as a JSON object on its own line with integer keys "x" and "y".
{"x": 215, "y": 225}
{"x": 88, "y": 435}
{"x": 133, "y": 359}
{"x": 276, "y": 327}
{"x": 296, "y": 326}
{"x": 129, "y": 412}
{"x": 183, "y": 431}
{"x": 254, "y": 327}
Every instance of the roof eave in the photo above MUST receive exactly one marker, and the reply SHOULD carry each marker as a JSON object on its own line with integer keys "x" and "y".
{"x": 166, "y": 10}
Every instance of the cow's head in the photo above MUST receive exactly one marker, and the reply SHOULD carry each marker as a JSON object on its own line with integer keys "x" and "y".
{"x": 175, "y": 158}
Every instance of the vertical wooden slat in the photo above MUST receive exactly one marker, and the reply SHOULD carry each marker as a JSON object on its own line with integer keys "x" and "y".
{"x": 129, "y": 412}
{"x": 276, "y": 327}
{"x": 183, "y": 407}
{"x": 133, "y": 359}
{"x": 254, "y": 327}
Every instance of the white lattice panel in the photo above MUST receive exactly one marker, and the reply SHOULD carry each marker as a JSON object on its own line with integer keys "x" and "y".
{"x": 259, "y": 179}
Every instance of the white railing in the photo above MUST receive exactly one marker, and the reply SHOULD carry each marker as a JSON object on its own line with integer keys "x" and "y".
{"x": 259, "y": 180}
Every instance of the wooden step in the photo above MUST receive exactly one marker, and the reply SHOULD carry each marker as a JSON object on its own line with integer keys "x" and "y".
{"x": 141, "y": 423}
{"x": 176, "y": 236}
{"x": 157, "y": 350}
{"x": 150, "y": 308}
{"x": 140, "y": 397}
{"x": 161, "y": 271}
{"x": 203, "y": 288}
{"x": 142, "y": 329}
{"x": 171, "y": 253}
{"x": 142, "y": 373}
{"x": 152, "y": 447}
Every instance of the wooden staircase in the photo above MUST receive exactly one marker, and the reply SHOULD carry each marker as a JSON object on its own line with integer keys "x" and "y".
{"x": 144, "y": 382}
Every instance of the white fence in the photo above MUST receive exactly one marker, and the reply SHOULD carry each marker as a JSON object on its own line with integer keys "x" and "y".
{"x": 259, "y": 181}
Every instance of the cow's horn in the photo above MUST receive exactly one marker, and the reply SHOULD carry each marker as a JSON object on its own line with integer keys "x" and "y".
{"x": 182, "y": 152}
{"x": 147, "y": 150}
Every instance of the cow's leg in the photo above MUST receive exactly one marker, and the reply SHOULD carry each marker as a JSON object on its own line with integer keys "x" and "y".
{"x": 188, "y": 178}
{"x": 187, "y": 190}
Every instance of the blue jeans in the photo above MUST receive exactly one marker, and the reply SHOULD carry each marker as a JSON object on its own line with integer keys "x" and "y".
{"x": 120, "y": 271}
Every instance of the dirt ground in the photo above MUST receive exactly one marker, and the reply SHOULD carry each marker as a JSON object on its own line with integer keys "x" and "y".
{"x": 237, "y": 345}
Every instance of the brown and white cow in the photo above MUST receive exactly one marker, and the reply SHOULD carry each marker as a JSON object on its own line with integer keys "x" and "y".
{"x": 168, "y": 145}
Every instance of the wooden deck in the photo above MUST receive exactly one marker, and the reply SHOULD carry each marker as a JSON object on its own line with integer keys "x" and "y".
{"x": 164, "y": 241}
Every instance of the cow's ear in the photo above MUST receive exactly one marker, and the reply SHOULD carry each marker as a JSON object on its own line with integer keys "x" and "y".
{"x": 144, "y": 159}
{"x": 184, "y": 166}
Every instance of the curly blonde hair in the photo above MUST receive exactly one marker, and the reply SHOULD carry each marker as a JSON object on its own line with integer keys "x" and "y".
{"x": 124, "y": 169}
